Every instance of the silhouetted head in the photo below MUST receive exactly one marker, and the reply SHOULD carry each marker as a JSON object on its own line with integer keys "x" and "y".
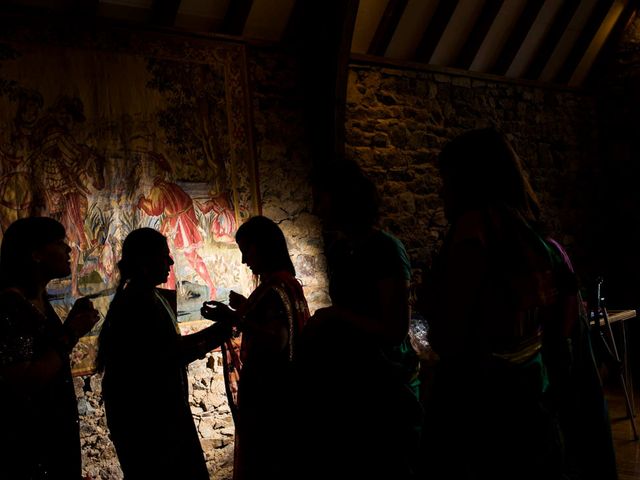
{"x": 146, "y": 259}
{"x": 33, "y": 249}
{"x": 263, "y": 246}
{"x": 344, "y": 198}
{"x": 479, "y": 169}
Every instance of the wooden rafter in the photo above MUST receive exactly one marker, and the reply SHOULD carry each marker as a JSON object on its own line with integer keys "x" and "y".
{"x": 518, "y": 34}
{"x": 387, "y": 26}
{"x": 630, "y": 11}
{"x": 551, "y": 39}
{"x": 477, "y": 35}
{"x": 589, "y": 30}
{"x": 163, "y": 12}
{"x": 325, "y": 50}
{"x": 236, "y": 17}
{"x": 293, "y": 29}
{"x": 435, "y": 29}
{"x": 600, "y": 39}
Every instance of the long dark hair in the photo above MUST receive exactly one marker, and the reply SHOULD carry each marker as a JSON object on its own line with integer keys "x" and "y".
{"x": 21, "y": 239}
{"x": 269, "y": 241}
{"x": 480, "y": 168}
{"x": 136, "y": 248}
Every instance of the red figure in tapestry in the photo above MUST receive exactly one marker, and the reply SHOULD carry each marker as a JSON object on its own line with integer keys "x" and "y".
{"x": 223, "y": 222}
{"x": 178, "y": 223}
{"x": 68, "y": 172}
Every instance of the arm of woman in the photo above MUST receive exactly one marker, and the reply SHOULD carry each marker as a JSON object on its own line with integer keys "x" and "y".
{"x": 267, "y": 326}
{"x": 388, "y": 324}
{"x": 22, "y": 368}
{"x": 32, "y": 375}
{"x": 197, "y": 344}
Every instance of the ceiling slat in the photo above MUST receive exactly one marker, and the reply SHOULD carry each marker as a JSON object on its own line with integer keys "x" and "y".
{"x": 587, "y": 34}
{"x": 534, "y": 39}
{"x": 407, "y": 36}
{"x": 474, "y": 41}
{"x": 387, "y": 26}
{"x": 236, "y": 16}
{"x": 435, "y": 29}
{"x": 587, "y": 60}
{"x": 568, "y": 40}
{"x": 605, "y": 54}
{"x": 551, "y": 39}
{"x": 163, "y": 12}
{"x": 518, "y": 34}
{"x": 494, "y": 41}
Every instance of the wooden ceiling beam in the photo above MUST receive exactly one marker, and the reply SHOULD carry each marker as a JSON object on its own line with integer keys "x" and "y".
{"x": 518, "y": 34}
{"x": 324, "y": 49}
{"x": 293, "y": 30}
{"x": 614, "y": 16}
{"x": 597, "y": 16}
{"x": 607, "y": 52}
{"x": 486, "y": 18}
{"x": 387, "y": 27}
{"x": 551, "y": 39}
{"x": 163, "y": 12}
{"x": 435, "y": 29}
{"x": 236, "y": 17}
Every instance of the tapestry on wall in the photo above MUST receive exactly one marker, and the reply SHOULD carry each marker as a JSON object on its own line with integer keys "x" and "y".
{"x": 131, "y": 130}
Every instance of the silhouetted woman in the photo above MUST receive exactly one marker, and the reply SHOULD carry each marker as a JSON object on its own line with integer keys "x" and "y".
{"x": 142, "y": 352}
{"x": 270, "y": 321}
{"x": 494, "y": 292}
{"x": 39, "y": 434}
{"x": 360, "y": 370}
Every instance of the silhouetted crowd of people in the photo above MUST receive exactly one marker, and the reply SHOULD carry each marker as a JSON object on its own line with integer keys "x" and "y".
{"x": 515, "y": 391}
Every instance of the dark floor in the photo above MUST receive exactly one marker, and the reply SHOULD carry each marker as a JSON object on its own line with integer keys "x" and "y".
{"x": 627, "y": 449}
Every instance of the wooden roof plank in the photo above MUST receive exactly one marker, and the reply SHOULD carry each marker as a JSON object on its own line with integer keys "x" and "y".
{"x": 518, "y": 34}
{"x": 587, "y": 34}
{"x": 607, "y": 51}
{"x": 433, "y": 32}
{"x": 551, "y": 39}
{"x": 481, "y": 28}
{"x": 387, "y": 26}
{"x": 586, "y": 62}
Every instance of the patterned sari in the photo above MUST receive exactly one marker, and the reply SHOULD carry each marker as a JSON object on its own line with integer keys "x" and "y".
{"x": 260, "y": 392}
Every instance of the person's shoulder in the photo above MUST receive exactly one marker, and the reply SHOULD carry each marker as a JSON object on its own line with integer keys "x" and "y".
{"x": 385, "y": 238}
{"x": 13, "y": 308}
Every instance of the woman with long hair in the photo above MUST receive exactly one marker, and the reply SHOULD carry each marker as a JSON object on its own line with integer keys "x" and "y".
{"x": 39, "y": 431}
{"x": 270, "y": 322}
{"x": 494, "y": 301}
{"x": 140, "y": 345}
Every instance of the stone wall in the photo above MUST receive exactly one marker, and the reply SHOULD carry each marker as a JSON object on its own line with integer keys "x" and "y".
{"x": 284, "y": 165}
{"x": 399, "y": 118}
